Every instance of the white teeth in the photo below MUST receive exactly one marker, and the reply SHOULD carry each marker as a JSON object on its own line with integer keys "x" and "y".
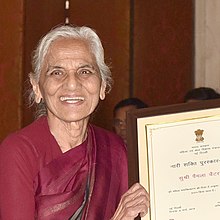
{"x": 71, "y": 99}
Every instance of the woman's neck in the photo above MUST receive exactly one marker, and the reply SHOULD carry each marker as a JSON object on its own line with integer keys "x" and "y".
{"x": 68, "y": 135}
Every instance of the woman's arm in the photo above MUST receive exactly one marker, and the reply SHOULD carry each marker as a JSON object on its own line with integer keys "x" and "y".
{"x": 16, "y": 181}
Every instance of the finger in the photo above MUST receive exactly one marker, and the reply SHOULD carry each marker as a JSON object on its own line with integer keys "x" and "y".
{"x": 136, "y": 205}
{"x": 135, "y": 187}
{"x": 139, "y": 200}
{"x": 133, "y": 202}
{"x": 136, "y": 191}
{"x": 134, "y": 211}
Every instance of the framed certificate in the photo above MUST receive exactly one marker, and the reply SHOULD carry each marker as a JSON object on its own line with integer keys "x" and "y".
{"x": 174, "y": 152}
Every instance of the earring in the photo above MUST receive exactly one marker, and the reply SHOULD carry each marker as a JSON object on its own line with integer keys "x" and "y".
{"x": 38, "y": 100}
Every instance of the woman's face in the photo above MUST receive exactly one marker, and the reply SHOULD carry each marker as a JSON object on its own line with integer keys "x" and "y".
{"x": 70, "y": 83}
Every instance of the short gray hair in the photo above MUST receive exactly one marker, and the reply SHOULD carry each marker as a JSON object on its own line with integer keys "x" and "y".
{"x": 68, "y": 31}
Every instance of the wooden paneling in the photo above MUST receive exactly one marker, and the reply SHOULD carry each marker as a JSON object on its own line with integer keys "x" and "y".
{"x": 40, "y": 17}
{"x": 163, "y": 50}
{"x": 111, "y": 20}
{"x": 11, "y": 25}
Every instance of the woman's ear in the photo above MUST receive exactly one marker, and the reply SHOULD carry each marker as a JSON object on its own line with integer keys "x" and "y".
{"x": 36, "y": 89}
{"x": 102, "y": 91}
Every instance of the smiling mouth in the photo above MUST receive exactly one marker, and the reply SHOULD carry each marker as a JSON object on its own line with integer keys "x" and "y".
{"x": 71, "y": 100}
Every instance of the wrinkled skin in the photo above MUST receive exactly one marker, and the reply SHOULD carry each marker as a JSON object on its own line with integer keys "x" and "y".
{"x": 134, "y": 202}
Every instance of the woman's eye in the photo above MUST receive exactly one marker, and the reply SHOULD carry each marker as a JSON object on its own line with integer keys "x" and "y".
{"x": 85, "y": 72}
{"x": 56, "y": 73}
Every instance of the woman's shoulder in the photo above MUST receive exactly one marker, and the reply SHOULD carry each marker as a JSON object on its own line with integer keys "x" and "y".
{"x": 32, "y": 133}
{"x": 108, "y": 138}
{"x": 106, "y": 133}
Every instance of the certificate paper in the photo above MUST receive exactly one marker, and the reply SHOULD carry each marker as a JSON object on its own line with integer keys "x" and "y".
{"x": 179, "y": 164}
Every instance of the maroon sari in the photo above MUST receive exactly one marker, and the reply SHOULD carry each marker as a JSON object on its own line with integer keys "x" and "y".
{"x": 98, "y": 167}
{"x": 38, "y": 181}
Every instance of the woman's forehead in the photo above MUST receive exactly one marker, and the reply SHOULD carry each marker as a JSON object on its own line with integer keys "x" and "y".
{"x": 69, "y": 49}
{"x": 70, "y": 45}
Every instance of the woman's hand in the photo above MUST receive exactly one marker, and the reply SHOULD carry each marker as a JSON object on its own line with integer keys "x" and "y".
{"x": 134, "y": 202}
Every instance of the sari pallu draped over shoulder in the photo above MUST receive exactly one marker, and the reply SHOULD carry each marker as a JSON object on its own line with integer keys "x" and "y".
{"x": 98, "y": 166}
{"x": 61, "y": 185}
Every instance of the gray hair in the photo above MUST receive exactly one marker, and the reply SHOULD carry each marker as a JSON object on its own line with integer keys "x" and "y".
{"x": 68, "y": 31}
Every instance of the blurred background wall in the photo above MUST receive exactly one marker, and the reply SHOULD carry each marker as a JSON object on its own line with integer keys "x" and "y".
{"x": 150, "y": 45}
{"x": 207, "y": 43}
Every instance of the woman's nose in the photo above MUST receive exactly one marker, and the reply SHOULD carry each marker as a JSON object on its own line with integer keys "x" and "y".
{"x": 71, "y": 81}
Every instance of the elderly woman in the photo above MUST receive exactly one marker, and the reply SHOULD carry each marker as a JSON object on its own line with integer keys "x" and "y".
{"x": 61, "y": 166}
